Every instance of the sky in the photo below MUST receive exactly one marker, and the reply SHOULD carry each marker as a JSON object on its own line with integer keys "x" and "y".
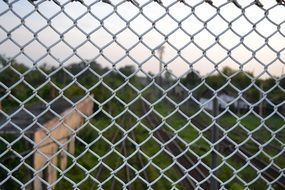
{"x": 203, "y": 39}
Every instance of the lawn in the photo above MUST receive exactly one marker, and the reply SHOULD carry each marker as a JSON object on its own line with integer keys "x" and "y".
{"x": 100, "y": 149}
{"x": 268, "y": 134}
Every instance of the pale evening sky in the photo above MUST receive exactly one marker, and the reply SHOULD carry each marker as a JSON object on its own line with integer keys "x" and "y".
{"x": 181, "y": 51}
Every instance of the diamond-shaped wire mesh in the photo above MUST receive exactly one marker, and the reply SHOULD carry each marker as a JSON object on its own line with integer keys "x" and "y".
{"x": 142, "y": 94}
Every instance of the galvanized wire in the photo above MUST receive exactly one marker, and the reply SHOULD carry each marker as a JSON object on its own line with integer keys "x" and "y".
{"x": 189, "y": 114}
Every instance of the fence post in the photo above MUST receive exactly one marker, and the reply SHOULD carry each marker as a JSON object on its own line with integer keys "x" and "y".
{"x": 261, "y": 103}
{"x": 214, "y": 137}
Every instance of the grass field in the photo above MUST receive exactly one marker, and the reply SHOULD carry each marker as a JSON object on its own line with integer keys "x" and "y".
{"x": 96, "y": 159}
{"x": 238, "y": 130}
{"x": 152, "y": 158}
{"x": 268, "y": 132}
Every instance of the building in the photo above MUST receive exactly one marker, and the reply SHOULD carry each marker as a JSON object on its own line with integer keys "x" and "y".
{"x": 50, "y": 128}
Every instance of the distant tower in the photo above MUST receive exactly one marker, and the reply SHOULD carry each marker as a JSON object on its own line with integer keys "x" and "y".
{"x": 160, "y": 52}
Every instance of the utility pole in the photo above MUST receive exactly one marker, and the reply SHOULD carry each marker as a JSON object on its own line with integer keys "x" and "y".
{"x": 214, "y": 138}
{"x": 1, "y": 100}
{"x": 160, "y": 52}
{"x": 261, "y": 103}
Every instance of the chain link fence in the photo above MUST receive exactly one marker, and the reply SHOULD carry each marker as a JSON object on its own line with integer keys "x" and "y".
{"x": 142, "y": 94}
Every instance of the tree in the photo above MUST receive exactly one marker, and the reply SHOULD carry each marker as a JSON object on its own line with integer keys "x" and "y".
{"x": 127, "y": 70}
{"x": 192, "y": 79}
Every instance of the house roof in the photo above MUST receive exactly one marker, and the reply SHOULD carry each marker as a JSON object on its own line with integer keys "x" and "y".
{"x": 209, "y": 93}
{"x": 30, "y": 118}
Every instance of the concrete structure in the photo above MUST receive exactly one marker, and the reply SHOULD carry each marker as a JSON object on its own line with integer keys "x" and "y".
{"x": 55, "y": 139}
{"x": 52, "y": 135}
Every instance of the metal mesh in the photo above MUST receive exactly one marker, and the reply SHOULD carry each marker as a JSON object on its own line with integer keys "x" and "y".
{"x": 142, "y": 95}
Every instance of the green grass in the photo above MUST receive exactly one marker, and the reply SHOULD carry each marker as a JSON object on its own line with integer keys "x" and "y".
{"x": 149, "y": 147}
{"x": 238, "y": 129}
{"x": 175, "y": 123}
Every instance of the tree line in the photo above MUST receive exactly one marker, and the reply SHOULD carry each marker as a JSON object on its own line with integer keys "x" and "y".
{"x": 20, "y": 83}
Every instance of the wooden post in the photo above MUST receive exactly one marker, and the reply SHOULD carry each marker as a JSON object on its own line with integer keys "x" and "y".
{"x": 261, "y": 103}
{"x": 30, "y": 162}
{"x": 214, "y": 138}
{"x": 53, "y": 92}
